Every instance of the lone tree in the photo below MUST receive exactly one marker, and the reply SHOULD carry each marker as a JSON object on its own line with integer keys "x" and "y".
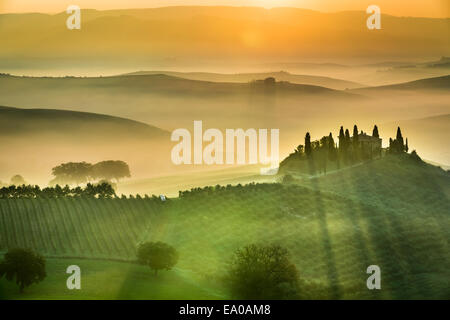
{"x": 157, "y": 255}
{"x": 72, "y": 173}
{"x": 24, "y": 266}
{"x": 111, "y": 169}
{"x": 262, "y": 272}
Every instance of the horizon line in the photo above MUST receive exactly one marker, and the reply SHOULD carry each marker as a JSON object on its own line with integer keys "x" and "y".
{"x": 217, "y": 6}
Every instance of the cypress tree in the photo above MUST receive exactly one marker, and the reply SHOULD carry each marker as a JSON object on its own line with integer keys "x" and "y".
{"x": 355, "y": 143}
{"x": 406, "y": 145}
{"x": 375, "y": 132}
{"x": 341, "y": 138}
{"x": 399, "y": 138}
{"x": 308, "y": 144}
{"x": 330, "y": 141}
{"x": 355, "y": 135}
{"x": 331, "y": 148}
{"x": 347, "y": 137}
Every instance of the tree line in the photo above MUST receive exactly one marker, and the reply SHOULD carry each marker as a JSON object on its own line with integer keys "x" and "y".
{"x": 102, "y": 190}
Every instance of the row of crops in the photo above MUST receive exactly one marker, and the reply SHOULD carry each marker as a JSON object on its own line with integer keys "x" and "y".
{"x": 83, "y": 227}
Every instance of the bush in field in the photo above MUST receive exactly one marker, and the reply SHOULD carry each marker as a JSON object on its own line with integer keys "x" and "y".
{"x": 157, "y": 255}
{"x": 288, "y": 179}
{"x": 262, "y": 272}
{"x": 23, "y": 266}
{"x": 18, "y": 180}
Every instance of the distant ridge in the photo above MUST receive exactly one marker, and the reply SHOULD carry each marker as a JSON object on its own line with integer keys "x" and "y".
{"x": 435, "y": 83}
{"x": 153, "y": 36}
{"x": 327, "y": 82}
{"x": 63, "y": 122}
{"x": 163, "y": 84}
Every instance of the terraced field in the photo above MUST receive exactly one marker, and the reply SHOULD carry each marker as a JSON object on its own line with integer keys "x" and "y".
{"x": 334, "y": 228}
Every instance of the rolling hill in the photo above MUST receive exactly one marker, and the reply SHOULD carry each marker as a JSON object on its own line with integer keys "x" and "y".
{"x": 170, "y": 102}
{"x": 62, "y": 123}
{"x": 327, "y": 82}
{"x": 429, "y": 84}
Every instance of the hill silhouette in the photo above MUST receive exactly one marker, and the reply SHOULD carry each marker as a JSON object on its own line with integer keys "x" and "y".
{"x": 429, "y": 84}
{"x": 153, "y": 36}
{"x": 16, "y": 121}
{"x": 327, "y": 82}
{"x": 161, "y": 84}
{"x": 172, "y": 102}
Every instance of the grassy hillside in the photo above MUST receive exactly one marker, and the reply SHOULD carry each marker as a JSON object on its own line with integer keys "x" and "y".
{"x": 111, "y": 280}
{"x": 389, "y": 212}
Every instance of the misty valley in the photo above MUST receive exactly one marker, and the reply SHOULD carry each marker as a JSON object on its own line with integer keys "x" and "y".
{"x": 224, "y": 153}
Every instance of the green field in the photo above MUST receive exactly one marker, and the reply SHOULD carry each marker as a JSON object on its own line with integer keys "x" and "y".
{"x": 110, "y": 280}
{"x": 392, "y": 212}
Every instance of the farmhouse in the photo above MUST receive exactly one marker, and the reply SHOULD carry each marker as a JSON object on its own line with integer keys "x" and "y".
{"x": 368, "y": 144}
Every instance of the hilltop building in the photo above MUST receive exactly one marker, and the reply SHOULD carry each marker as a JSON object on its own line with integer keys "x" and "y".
{"x": 369, "y": 144}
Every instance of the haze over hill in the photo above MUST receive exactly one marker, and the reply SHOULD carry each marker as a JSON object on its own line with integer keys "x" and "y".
{"x": 35, "y": 122}
{"x": 430, "y": 84}
{"x": 177, "y": 37}
{"x": 35, "y": 140}
{"x": 428, "y": 135}
{"x": 169, "y": 102}
{"x": 327, "y": 82}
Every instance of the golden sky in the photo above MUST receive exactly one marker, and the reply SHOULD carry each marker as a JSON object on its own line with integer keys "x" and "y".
{"x": 418, "y": 8}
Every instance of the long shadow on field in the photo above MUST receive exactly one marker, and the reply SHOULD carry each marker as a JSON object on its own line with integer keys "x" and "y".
{"x": 355, "y": 213}
{"x": 395, "y": 251}
{"x": 333, "y": 277}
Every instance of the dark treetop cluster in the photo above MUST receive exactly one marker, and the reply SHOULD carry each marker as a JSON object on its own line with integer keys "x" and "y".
{"x": 103, "y": 190}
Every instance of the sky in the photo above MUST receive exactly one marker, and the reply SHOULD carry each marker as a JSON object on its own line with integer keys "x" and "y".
{"x": 417, "y": 8}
